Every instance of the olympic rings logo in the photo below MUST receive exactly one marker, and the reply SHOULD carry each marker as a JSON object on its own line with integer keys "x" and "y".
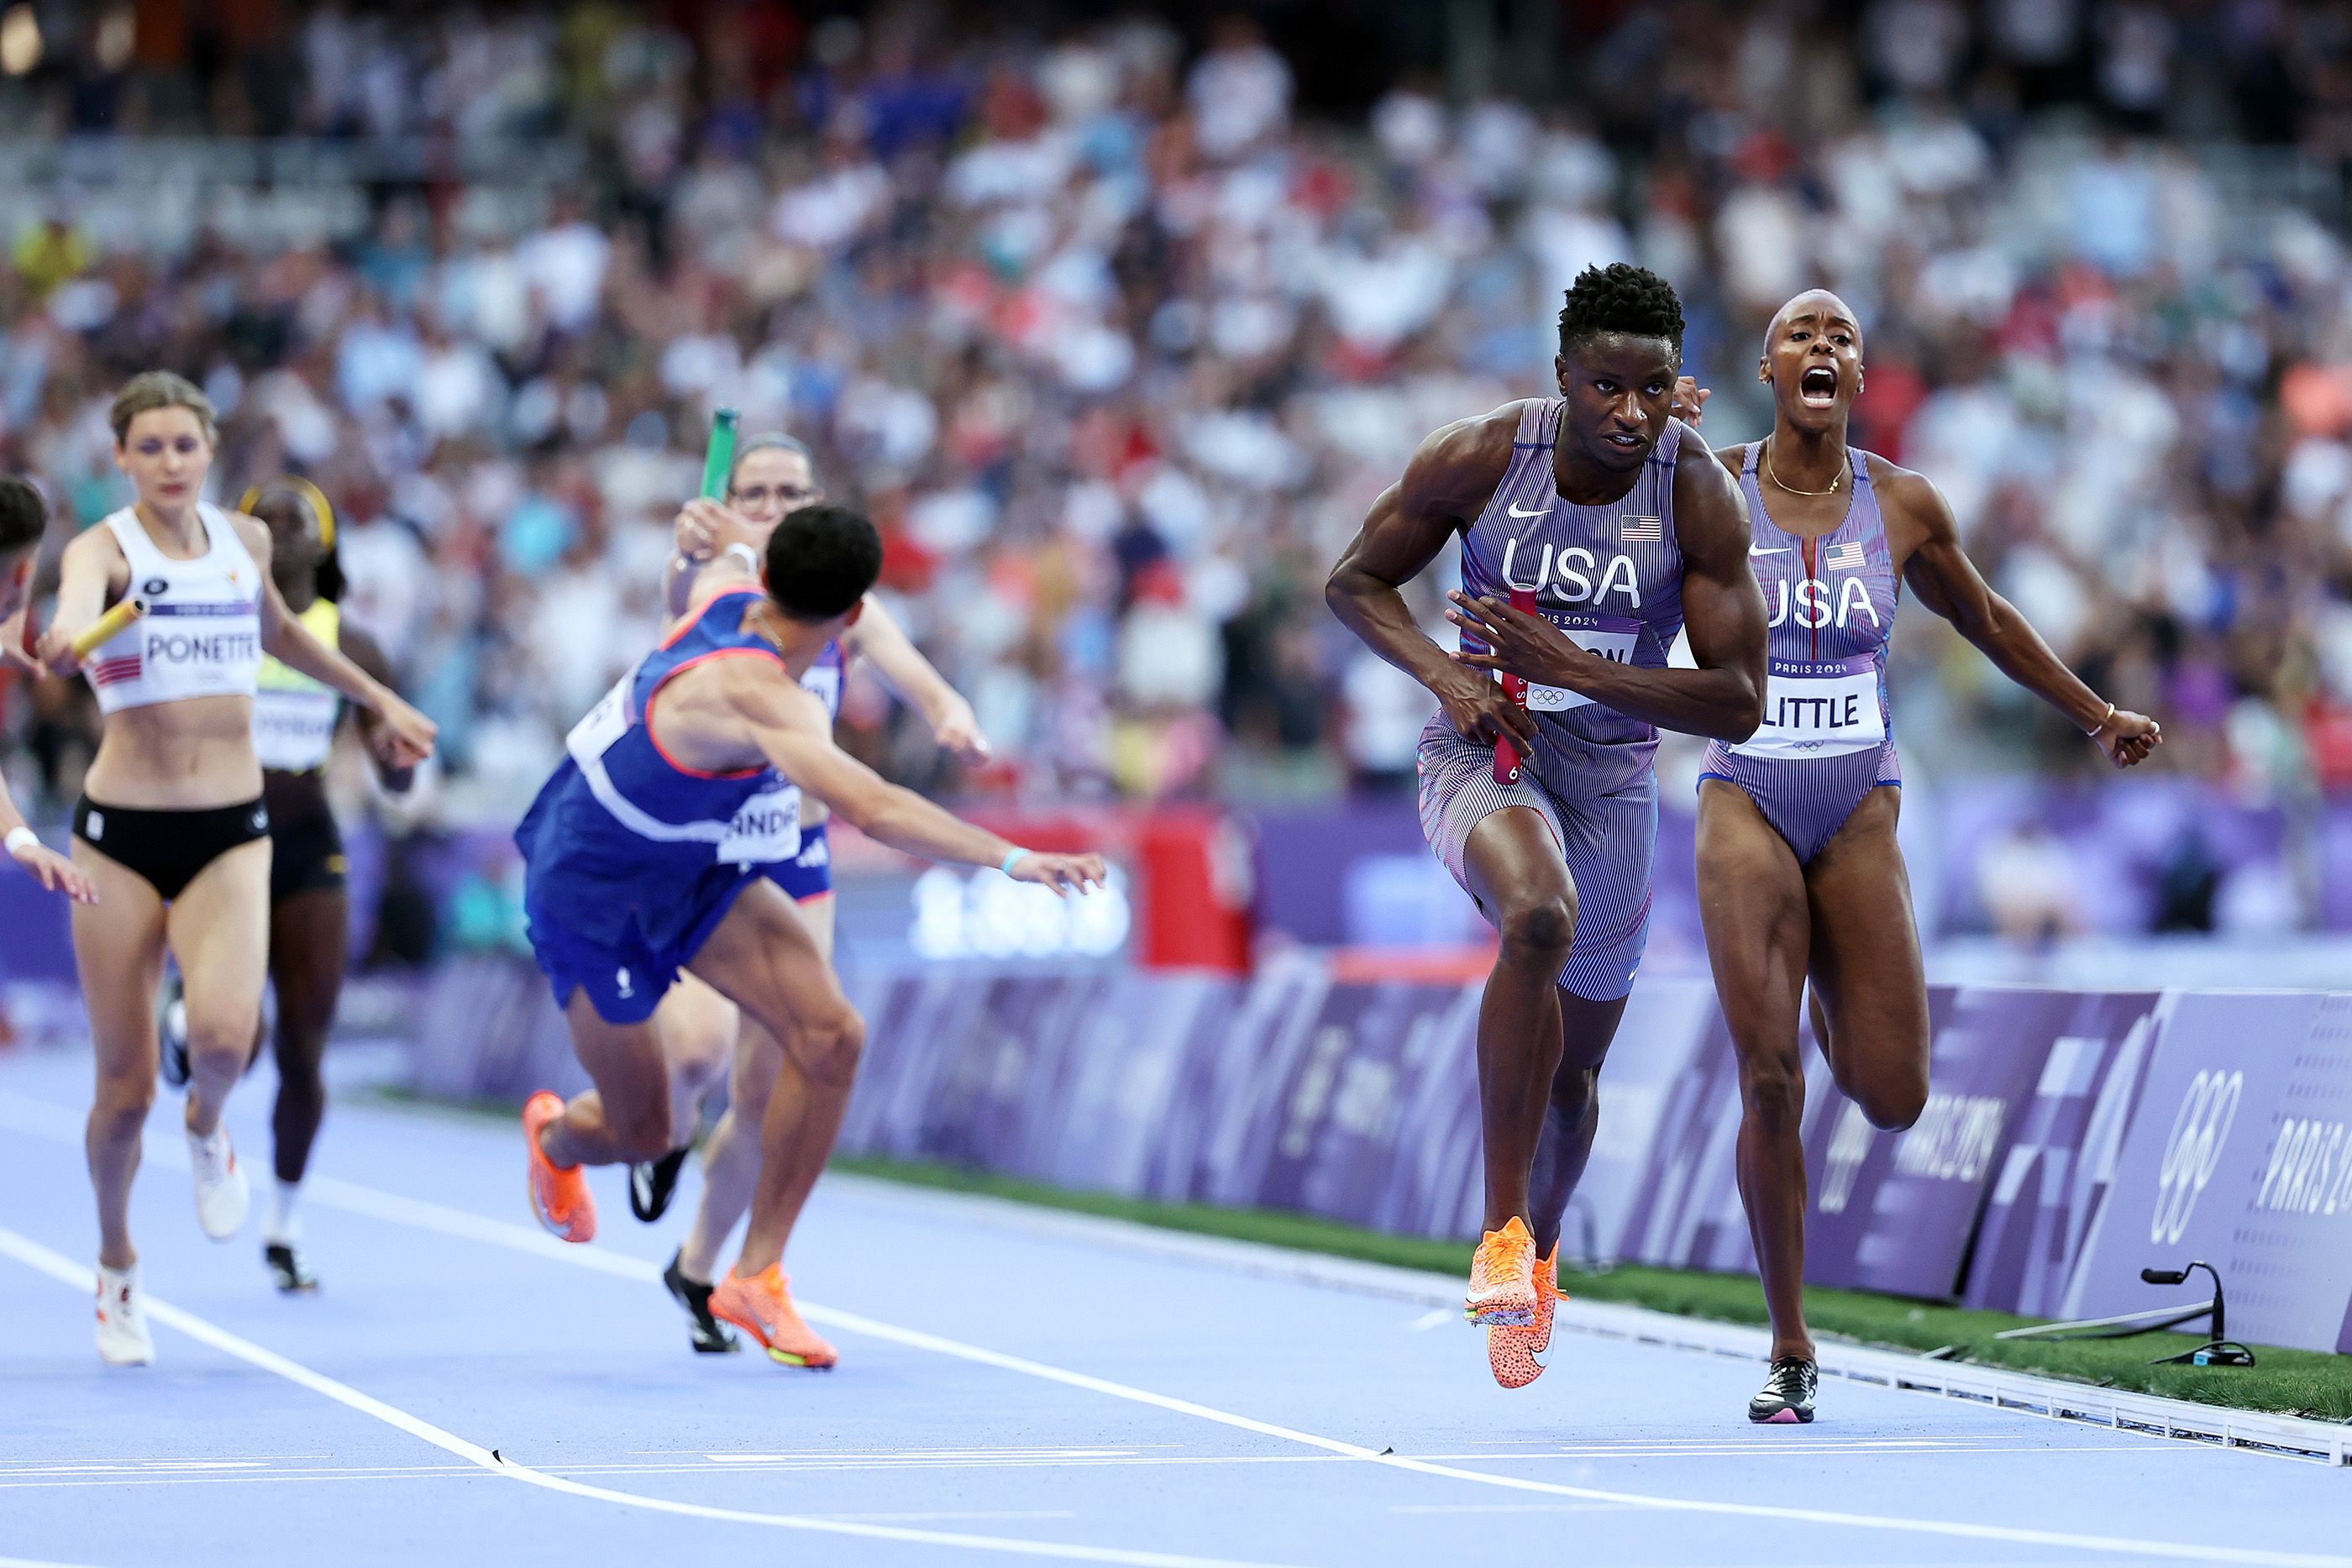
{"x": 2194, "y": 1151}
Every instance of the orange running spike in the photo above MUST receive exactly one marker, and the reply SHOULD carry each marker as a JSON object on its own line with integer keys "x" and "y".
{"x": 761, "y": 1306}
{"x": 1502, "y": 1279}
{"x": 1512, "y": 1352}
{"x": 559, "y": 1194}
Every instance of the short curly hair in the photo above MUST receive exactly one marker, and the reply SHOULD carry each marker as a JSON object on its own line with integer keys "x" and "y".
{"x": 1620, "y": 298}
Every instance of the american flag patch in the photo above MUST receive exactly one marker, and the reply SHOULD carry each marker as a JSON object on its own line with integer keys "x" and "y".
{"x": 1636, "y": 531}
{"x": 1846, "y": 556}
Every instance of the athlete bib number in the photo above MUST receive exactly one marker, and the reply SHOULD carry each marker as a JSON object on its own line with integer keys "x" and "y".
{"x": 1611, "y": 637}
{"x": 765, "y": 827}
{"x": 605, "y": 723}
{"x": 293, "y": 732}
{"x": 1819, "y": 710}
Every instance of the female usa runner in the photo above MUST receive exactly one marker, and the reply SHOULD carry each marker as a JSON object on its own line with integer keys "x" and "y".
{"x": 1798, "y": 873}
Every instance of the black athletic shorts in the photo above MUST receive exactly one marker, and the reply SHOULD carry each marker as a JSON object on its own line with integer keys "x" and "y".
{"x": 308, "y": 855}
{"x": 168, "y": 847}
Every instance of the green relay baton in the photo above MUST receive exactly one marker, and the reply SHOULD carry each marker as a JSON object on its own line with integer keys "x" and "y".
{"x": 718, "y": 459}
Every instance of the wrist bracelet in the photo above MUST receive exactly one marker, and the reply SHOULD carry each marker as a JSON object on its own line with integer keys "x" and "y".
{"x": 2095, "y": 729}
{"x": 751, "y": 557}
{"x": 1011, "y": 861}
{"x": 19, "y": 838}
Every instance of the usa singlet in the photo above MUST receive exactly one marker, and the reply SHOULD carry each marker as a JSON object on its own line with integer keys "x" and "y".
{"x": 1826, "y": 740}
{"x": 1609, "y": 577}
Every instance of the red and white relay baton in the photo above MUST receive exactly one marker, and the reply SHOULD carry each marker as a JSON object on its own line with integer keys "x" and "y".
{"x": 1506, "y": 745}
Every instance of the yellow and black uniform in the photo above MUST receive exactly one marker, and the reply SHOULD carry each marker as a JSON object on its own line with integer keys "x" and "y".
{"x": 294, "y": 720}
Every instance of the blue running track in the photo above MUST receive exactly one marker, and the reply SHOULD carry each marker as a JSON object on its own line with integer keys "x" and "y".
{"x": 1007, "y": 1389}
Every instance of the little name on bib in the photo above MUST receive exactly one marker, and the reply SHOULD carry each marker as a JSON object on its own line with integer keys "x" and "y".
{"x": 1819, "y": 710}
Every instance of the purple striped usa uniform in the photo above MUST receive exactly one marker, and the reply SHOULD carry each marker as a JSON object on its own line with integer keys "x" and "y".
{"x": 1827, "y": 739}
{"x": 1610, "y": 577}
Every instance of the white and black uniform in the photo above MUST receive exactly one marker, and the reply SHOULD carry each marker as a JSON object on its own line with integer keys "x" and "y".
{"x": 201, "y": 637}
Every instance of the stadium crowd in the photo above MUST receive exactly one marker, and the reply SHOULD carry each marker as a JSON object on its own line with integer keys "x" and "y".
{"x": 1117, "y": 342}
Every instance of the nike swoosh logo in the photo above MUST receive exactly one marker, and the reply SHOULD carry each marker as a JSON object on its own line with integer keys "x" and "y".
{"x": 1753, "y": 550}
{"x": 1512, "y": 508}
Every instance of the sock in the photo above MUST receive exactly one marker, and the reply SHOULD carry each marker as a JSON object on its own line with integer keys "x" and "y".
{"x": 284, "y": 1224}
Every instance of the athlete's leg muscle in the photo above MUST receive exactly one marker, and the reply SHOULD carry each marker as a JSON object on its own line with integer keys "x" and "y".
{"x": 119, "y": 948}
{"x": 1586, "y": 1030}
{"x": 698, "y": 1029}
{"x": 1866, "y": 966}
{"x": 731, "y": 1159}
{"x": 764, "y": 956}
{"x": 1518, "y": 874}
{"x": 218, "y": 929}
{"x": 626, "y": 1115}
{"x": 1752, "y": 904}
{"x": 308, "y": 936}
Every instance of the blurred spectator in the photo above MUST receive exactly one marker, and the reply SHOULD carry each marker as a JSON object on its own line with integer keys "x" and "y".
{"x": 1118, "y": 342}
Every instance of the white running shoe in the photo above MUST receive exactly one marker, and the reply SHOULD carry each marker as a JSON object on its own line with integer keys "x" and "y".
{"x": 122, "y": 1336}
{"x": 222, "y": 1195}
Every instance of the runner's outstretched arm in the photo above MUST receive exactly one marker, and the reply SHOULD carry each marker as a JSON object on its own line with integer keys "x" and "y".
{"x": 1939, "y": 571}
{"x": 406, "y": 736}
{"x": 362, "y": 650}
{"x": 876, "y": 635}
{"x": 84, "y": 576}
{"x": 43, "y": 865}
{"x": 1722, "y": 610}
{"x": 790, "y": 730}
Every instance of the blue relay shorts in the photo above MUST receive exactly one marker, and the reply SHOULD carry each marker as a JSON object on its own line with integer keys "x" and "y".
{"x": 627, "y": 977}
{"x": 809, "y": 874}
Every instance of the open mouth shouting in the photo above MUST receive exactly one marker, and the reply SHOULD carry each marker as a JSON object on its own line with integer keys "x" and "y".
{"x": 1818, "y": 387}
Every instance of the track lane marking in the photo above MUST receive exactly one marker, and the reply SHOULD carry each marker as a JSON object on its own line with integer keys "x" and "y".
{"x": 395, "y": 1207}
{"x": 65, "y": 1272}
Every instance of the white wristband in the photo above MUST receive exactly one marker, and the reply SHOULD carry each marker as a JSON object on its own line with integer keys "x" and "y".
{"x": 751, "y": 557}
{"x": 1011, "y": 861}
{"x": 20, "y": 838}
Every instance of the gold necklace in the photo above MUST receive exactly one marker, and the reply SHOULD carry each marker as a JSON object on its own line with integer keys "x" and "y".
{"x": 1792, "y": 489}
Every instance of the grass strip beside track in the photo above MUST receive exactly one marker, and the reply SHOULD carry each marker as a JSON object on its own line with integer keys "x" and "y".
{"x": 2288, "y": 1382}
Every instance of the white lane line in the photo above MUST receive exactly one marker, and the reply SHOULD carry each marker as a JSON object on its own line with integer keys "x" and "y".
{"x": 1436, "y": 1317}
{"x": 448, "y": 1221}
{"x": 132, "y": 1478}
{"x": 457, "y": 1222}
{"x": 37, "y": 1562}
{"x": 65, "y": 1272}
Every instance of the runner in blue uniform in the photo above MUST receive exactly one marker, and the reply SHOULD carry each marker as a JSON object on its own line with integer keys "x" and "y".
{"x": 1581, "y": 501}
{"x": 1799, "y": 871}
{"x": 646, "y": 854}
{"x": 707, "y": 1036}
